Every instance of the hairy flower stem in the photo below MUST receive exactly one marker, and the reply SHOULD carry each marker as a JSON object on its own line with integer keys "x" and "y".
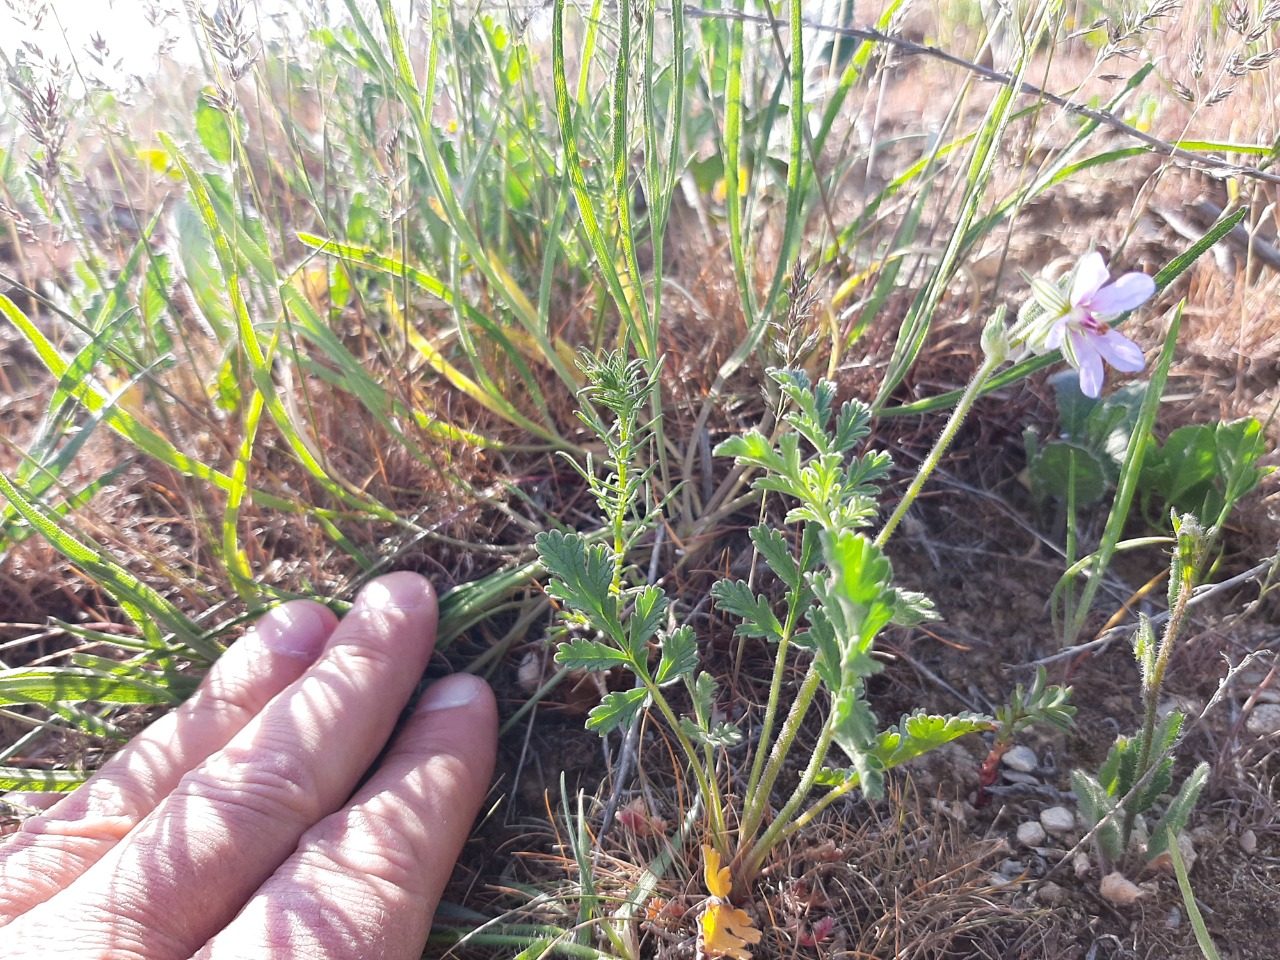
{"x": 831, "y": 796}
{"x": 1151, "y": 691}
{"x": 971, "y": 392}
{"x": 706, "y": 777}
{"x": 780, "y": 823}
{"x": 618, "y": 510}
{"x": 775, "y": 694}
{"x": 758, "y": 802}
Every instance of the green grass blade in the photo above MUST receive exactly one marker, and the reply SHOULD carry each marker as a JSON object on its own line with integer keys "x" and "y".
{"x": 48, "y": 685}
{"x": 573, "y": 167}
{"x": 304, "y": 449}
{"x": 915, "y": 326}
{"x": 39, "y": 781}
{"x": 485, "y": 392}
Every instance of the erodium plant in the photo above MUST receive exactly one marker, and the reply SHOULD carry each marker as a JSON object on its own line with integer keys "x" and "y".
{"x": 838, "y": 595}
{"x": 1138, "y": 769}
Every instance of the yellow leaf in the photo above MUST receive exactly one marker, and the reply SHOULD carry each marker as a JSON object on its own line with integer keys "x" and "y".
{"x": 726, "y": 930}
{"x": 719, "y": 883}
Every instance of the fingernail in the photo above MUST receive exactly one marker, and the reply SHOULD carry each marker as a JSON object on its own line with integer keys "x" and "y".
{"x": 294, "y": 629}
{"x": 395, "y": 591}
{"x": 457, "y": 690}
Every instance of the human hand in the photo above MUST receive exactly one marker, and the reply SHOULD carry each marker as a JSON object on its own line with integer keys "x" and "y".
{"x": 228, "y": 828}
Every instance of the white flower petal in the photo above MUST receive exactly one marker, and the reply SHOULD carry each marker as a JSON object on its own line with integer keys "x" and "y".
{"x": 1088, "y": 362}
{"x": 1131, "y": 290}
{"x": 1054, "y": 338}
{"x": 1091, "y": 274}
{"x": 1119, "y": 351}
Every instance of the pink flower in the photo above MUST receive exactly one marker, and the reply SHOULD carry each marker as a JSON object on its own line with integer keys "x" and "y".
{"x": 1079, "y": 324}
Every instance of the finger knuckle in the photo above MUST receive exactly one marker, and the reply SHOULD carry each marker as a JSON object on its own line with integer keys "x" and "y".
{"x": 369, "y": 842}
{"x": 261, "y": 781}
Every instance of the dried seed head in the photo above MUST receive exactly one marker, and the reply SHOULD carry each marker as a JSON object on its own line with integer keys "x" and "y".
{"x": 28, "y": 13}
{"x": 1237, "y": 17}
{"x": 1196, "y": 60}
{"x": 1262, "y": 60}
{"x": 41, "y": 87}
{"x": 796, "y": 335}
{"x": 232, "y": 40}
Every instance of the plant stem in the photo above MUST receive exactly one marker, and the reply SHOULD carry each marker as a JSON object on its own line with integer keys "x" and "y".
{"x": 971, "y": 392}
{"x": 775, "y": 693}
{"x": 706, "y": 776}
{"x": 758, "y": 802}
{"x": 809, "y": 815}
{"x": 1068, "y": 579}
{"x": 780, "y": 823}
{"x": 1151, "y": 692}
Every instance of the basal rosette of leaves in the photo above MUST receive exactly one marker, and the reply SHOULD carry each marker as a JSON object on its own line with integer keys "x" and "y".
{"x": 839, "y": 594}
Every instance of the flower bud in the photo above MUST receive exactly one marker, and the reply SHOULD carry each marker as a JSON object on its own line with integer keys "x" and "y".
{"x": 995, "y": 339}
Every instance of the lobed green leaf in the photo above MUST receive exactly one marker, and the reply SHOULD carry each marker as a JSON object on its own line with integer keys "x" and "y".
{"x": 617, "y": 709}
{"x": 679, "y": 655}
{"x": 593, "y": 655}
{"x": 735, "y": 598}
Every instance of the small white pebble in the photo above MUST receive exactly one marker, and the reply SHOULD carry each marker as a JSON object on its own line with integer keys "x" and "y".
{"x": 1081, "y": 865}
{"x": 1021, "y": 758}
{"x": 1174, "y": 919}
{"x": 1120, "y": 890}
{"x": 1264, "y": 719}
{"x": 1058, "y": 820}
{"x": 1249, "y": 841}
{"x": 1050, "y": 894}
{"x": 1013, "y": 776}
{"x": 1031, "y": 834}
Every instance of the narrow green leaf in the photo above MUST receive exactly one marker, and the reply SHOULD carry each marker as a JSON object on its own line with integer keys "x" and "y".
{"x": 77, "y": 685}
{"x": 1164, "y": 836}
{"x": 35, "y": 780}
{"x": 143, "y": 605}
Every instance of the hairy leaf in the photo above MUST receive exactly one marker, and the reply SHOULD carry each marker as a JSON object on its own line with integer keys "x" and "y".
{"x": 853, "y": 424}
{"x": 720, "y": 735}
{"x": 750, "y": 449}
{"x": 1178, "y": 812}
{"x": 679, "y": 655}
{"x": 921, "y": 732}
{"x": 581, "y": 577}
{"x": 583, "y": 654}
{"x": 910, "y": 608}
{"x": 773, "y": 547}
{"x": 734, "y": 597}
{"x": 618, "y": 709}
{"x": 1095, "y": 804}
{"x": 650, "y": 610}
